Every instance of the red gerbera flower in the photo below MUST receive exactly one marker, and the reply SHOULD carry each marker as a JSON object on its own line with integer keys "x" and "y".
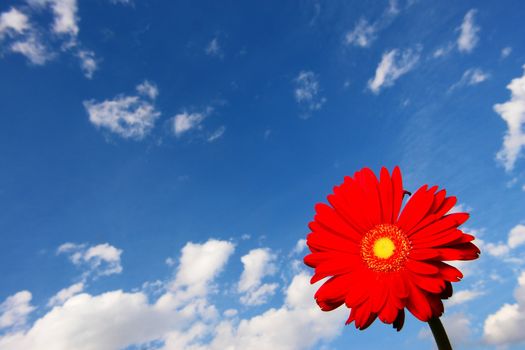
{"x": 381, "y": 259}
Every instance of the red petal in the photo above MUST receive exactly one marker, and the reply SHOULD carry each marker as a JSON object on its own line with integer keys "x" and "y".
{"x": 385, "y": 190}
{"x": 463, "y": 251}
{"x": 421, "y": 268}
{"x": 430, "y": 284}
{"x": 329, "y": 218}
{"x": 398, "y": 193}
{"x": 326, "y": 241}
{"x": 445, "y": 223}
{"x": 332, "y": 293}
{"x": 423, "y": 254}
{"x": 417, "y": 303}
{"x": 416, "y": 208}
{"x": 370, "y": 186}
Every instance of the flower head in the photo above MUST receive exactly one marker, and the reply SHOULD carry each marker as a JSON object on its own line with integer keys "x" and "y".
{"x": 382, "y": 259}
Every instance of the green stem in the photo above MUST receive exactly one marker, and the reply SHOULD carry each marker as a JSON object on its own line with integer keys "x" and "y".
{"x": 439, "y": 334}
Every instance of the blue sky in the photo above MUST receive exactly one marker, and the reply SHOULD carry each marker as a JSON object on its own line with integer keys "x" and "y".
{"x": 160, "y": 161}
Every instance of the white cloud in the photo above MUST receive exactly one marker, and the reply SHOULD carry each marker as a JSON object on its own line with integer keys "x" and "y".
{"x": 458, "y": 327}
{"x": 393, "y": 65}
{"x": 506, "y": 51}
{"x": 505, "y": 326}
{"x": 472, "y": 76}
{"x": 128, "y": 116}
{"x": 40, "y": 45}
{"x": 180, "y": 319}
{"x": 468, "y": 37}
{"x": 88, "y": 63}
{"x": 513, "y": 113}
{"x": 213, "y": 48}
{"x": 217, "y": 134}
{"x": 307, "y": 91}
{"x": 65, "y": 294}
{"x": 362, "y": 35}
{"x": 65, "y": 15}
{"x": 199, "y": 265}
{"x": 184, "y": 122}
{"x": 99, "y": 260}
{"x": 13, "y": 21}
{"x": 365, "y": 32}
{"x": 33, "y": 49}
{"x": 300, "y": 246}
{"x": 15, "y": 309}
{"x": 148, "y": 89}
{"x": 258, "y": 263}
{"x": 283, "y": 328}
{"x": 463, "y": 296}
{"x": 499, "y": 249}
{"x": 516, "y": 236}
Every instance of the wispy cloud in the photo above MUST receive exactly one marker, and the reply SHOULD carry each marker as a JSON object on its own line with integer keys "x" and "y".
{"x": 468, "y": 37}
{"x": 362, "y": 35}
{"x": 214, "y": 48}
{"x": 365, "y": 32}
{"x": 217, "y": 134}
{"x": 513, "y": 113}
{"x": 127, "y": 116}
{"x": 307, "y": 92}
{"x": 393, "y": 65}
{"x": 472, "y": 76}
{"x": 506, "y": 51}
{"x": 185, "y": 121}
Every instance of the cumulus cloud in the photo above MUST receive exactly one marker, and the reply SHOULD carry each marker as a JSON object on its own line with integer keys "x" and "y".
{"x": 393, "y": 65}
{"x": 130, "y": 117}
{"x": 513, "y": 113}
{"x": 182, "y": 318}
{"x": 98, "y": 260}
{"x": 515, "y": 239}
{"x": 258, "y": 263}
{"x": 15, "y": 309}
{"x": 307, "y": 92}
{"x": 199, "y": 265}
{"x": 505, "y": 326}
{"x": 468, "y": 37}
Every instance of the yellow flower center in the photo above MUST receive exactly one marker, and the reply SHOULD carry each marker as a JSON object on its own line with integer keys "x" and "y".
{"x": 384, "y": 248}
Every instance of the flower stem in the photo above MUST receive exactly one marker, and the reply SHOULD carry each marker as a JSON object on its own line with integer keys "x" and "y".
{"x": 439, "y": 334}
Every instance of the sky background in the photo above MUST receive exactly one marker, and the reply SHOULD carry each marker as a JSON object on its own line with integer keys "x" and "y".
{"x": 160, "y": 162}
